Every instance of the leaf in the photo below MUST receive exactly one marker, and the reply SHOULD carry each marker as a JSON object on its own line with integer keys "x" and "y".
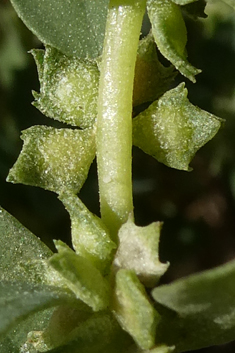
{"x": 170, "y": 34}
{"x": 61, "y": 329}
{"x": 21, "y": 252}
{"x": 100, "y": 333}
{"x": 81, "y": 277}
{"x": 90, "y": 238}
{"x": 199, "y": 310}
{"x": 133, "y": 309}
{"x": 19, "y": 300}
{"x": 152, "y": 79}
{"x": 172, "y": 129}
{"x": 54, "y": 159}
{"x": 138, "y": 251}
{"x": 75, "y": 29}
{"x": 69, "y": 87}
{"x": 22, "y": 257}
{"x": 17, "y": 336}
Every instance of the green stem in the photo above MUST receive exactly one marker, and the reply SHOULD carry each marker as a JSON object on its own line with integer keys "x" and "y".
{"x": 114, "y": 122}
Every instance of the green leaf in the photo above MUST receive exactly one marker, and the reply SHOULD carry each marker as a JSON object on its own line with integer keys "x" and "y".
{"x": 54, "y": 159}
{"x": 90, "y": 238}
{"x": 22, "y": 259}
{"x": 100, "y": 333}
{"x": 69, "y": 87}
{"x": 21, "y": 252}
{"x": 170, "y": 34}
{"x": 17, "y": 336}
{"x": 81, "y": 277}
{"x": 133, "y": 310}
{"x": 19, "y": 300}
{"x": 138, "y": 251}
{"x": 172, "y": 129}
{"x": 199, "y": 310}
{"x": 152, "y": 79}
{"x": 76, "y": 28}
{"x": 22, "y": 265}
{"x": 61, "y": 329}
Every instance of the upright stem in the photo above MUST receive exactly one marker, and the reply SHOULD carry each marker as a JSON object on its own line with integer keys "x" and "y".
{"x": 114, "y": 122}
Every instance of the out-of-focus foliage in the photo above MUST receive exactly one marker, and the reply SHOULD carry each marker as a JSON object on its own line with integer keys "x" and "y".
{"x": 12, "y": 54}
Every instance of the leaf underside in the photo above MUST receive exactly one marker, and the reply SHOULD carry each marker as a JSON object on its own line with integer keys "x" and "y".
{"x": 76, "y": 29}
{"x": 170, "y": 34}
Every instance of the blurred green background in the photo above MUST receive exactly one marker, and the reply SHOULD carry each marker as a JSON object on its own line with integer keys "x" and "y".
{"x": 198, "y": 208}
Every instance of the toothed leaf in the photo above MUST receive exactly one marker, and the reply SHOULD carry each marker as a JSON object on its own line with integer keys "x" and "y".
{"x": 54, "y": 159}
{"x": 138, "y": 251}
{"x": 172, "y": 129}
{"x": 69, "y": 88}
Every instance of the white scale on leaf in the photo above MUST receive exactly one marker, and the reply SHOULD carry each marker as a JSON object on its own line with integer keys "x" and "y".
{"x": 69, "y": 87}
{"x": 172, "y": 129}
{"x": 138, "y": 251}
{"x": 54, "y": 159}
